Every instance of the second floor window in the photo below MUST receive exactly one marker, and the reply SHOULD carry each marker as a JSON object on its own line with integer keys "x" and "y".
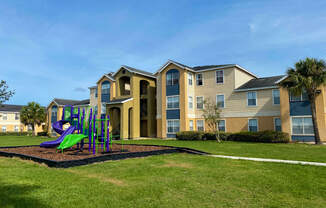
{"x": 4, "y": 116}
{"x": 172, "y": 102}
{"x": 276, "y": 97}
{"x": 172, "y": 77}
{"x": 200, "y": 102}
{"x": 199, "y": 79}
{"x": 16, "y": 116}
{"x": 299, "y": 98}
{"x": 219, "y": 77}
{"x": 190, "y": 102}
{"x": 220, "y": 101}
{"x": 252, "y": 98}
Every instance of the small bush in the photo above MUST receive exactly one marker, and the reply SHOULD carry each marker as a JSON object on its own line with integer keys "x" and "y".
{"x": 43, "y": 133}
{"x": 9, "y": 133}
{"x": 189, "y": 135}
{"x": 262, "y": 136}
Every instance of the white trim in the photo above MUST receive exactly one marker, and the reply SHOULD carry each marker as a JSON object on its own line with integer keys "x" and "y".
{"x": 203, "y": 103}
{"x": 192, "y": 102}
{"x": 170, "y": 96}
{"x": 202, "y": 79}
{"x": 203, "y": 124}
{"x": 236, "y": 114}
{"x": 171, "y": 62}
{"x": 118, "y": 102}
{"x": 189, "y": 74}
{"x": 306, "y": 116}
{"x": 216, "y": 76}
{"x": 273, "y": 97}
{"x": 105, "y": 75}
{"x": 256, "y": 88}
{"x": 275, "y": 123}
{"x": 158, "y": 116}
{"x": 224, "y": 106}
{"x": 257, "y": 123}
{"x": 256, "y": 100}
{"x": 192, "y": 125}
{"x": 280, "y": 80}
{"x": 191, "y": 115}
{"x": 167, "y": 127}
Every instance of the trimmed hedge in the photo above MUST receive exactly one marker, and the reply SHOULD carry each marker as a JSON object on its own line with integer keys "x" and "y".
{"x": 43, "y": 133}
{"x": 9, "y": 133}
{"x": 262, "y": 136}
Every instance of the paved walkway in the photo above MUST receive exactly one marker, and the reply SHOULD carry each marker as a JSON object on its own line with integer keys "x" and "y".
{"x": 270, "y": 160}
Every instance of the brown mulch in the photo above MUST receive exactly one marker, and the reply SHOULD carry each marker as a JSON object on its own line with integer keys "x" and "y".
{"x": 76, "y": 154}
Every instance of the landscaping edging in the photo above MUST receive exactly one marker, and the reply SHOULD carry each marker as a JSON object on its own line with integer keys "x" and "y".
{"x": 86, "y": 161}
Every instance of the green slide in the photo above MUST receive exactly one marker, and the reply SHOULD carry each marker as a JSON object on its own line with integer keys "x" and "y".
{"x": 70, "y": 140}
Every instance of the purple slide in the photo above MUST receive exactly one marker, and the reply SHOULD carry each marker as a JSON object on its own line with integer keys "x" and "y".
{"x": 57, "y": 126}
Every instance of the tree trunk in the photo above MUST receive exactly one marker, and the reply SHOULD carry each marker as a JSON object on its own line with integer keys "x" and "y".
{"x": 33, "y": 129}
{"x": 314, "y": 121}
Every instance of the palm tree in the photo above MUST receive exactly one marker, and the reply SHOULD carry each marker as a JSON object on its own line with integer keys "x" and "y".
{"x": 32, "y": 114}
{"x": 308, "y": 75}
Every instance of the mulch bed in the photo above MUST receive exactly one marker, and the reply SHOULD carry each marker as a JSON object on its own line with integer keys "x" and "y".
{"x": 75, "y": 157}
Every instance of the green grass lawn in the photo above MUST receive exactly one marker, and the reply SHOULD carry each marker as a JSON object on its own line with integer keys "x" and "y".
{"x": 7, "y": 141}
{"x": 293, "y": 151}
{"x": 174, "y": 180}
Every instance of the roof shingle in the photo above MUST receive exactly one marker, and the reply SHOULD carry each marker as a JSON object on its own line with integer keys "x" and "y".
{"x": 264, "y": 82}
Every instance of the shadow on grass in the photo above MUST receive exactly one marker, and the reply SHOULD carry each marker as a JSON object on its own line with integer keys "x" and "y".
{"x": 17, "y": 195}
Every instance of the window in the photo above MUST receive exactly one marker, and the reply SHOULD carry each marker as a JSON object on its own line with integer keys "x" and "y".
{"x": 200, "y": 102}
{"x": 276, "y": 97}
{"x": 4, "y": 128}
{"x": 199, "y": 79}
{"x": 221, "y": 125}
{"x": 16, "y": 116}
{"x": 173, "y": 126}
{"x": 172, "y": 102}
{"x": 200, "y": 125}
{"x": 29, "y": 128}
{"x": 219, "y": 77}
{"x": 16, "y": 128}
{"x": 190, "y": 102}
{"x": 302, "y": 126}
{"x": 277, "y": 124}
{"x": 190, "y": 78}
{"x": 220, "y": 101}
{"x": 252, "y": 98}
{"x": 172, "y": 77}
{"x": 253, "y": 125}
{"x": 4, "y": 116}
{"x": 96, "y": 92}
{"x": 105, "y": 88}
{"x": 191, "y": 125}
{"x": 299, "y": 98}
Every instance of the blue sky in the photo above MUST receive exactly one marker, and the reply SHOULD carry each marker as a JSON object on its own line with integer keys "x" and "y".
{"x": 59, "y": 48}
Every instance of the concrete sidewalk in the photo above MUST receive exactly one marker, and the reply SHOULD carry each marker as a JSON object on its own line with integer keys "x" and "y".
{"x": 270, "y": 160}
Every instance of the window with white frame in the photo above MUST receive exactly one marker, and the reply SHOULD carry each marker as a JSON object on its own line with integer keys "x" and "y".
{"x": 16, "y": 128}
{"x": 172, "y": 77}
{"x": 219, "y": 76}
{"x": 189, "y": 78}
{"x": 302, "y": 126}
{"x": 253, "y": 125}
{"x": 172, "y": 102}
{"x": 173, "y": 126}
{"x": 4, "y": 116}
{"x": 190, "y": 102}
{"x": 200, "y": 125}
{"x": 199, "y": 79}
{"x": 276, "y": 97}
{"x": 200, "y": 102}
{"x": 277, "y": 124}
{"x": 220, "y": 101}
{"x": 191, "y": 125}
{"x": 252, "y": 98}
{"x": 4, "y": 128}
{"x": 221, "y": 125}
{"x": 298, "y": 98}
{"x": 16, "y": 116}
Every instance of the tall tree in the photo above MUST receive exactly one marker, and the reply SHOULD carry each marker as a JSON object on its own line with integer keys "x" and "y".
{"x": 211, "y": 114}
{"x": 308, "y": 75}
{"x": 32, "y": 114}
{"x": 5, "y": 93}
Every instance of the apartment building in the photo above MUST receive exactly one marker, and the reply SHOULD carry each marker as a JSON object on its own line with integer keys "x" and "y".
{"x": 144, "y": 104}
{"x": 10, "y": 119}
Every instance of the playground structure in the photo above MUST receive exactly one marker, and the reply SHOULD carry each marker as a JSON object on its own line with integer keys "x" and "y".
{"x": 96, "y": 130}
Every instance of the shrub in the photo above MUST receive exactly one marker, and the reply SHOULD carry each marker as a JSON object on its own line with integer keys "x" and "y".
{"x": 262, "y": 136}
{"x": 189, "y": 135}
{"x": 42, "y": 133}
{"x": 9, "y": 133}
